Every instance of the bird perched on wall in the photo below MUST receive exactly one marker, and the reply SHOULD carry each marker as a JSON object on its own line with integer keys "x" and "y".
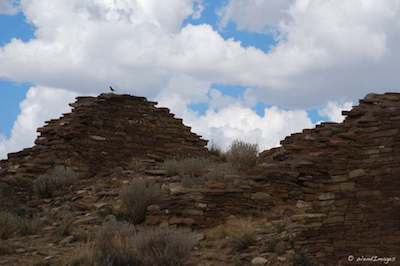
{"x": 111, "y": 89}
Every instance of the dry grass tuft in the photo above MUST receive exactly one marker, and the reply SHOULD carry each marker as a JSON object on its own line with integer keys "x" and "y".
{"x": 192, "y": 167}
{"x": 242, "y": 155}
{"x": 241, "y": 232}
{"x": 118, "y": 244}
{"x": 164, "y": 246}
{"x": 11, "y": 225}
{"x": 220, "y": 171}
{"x": 217, "y": 152}
{"x": 136, "y": 197}
{"x": 47, "y": 185}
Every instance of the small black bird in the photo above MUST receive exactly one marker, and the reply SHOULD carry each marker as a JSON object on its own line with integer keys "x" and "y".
{"x": 111, "y": 89}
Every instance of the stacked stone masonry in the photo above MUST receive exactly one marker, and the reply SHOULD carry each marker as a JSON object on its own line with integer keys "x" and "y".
{"x": 101, "y": 133}
{"x": 346, "y": 176}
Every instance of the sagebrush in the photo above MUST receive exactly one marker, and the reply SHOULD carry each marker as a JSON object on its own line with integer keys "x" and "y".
{"x": 187, "y": 167}
{"x": 136, "y": 197}
{"x": 242, "y": 155}
{"x": 118, "y": 244}
{"x": 11, "y": 225}
{"x": 47, "y": 185}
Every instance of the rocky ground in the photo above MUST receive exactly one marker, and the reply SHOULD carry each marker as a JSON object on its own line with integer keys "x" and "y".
{"x": 237, "y": 218}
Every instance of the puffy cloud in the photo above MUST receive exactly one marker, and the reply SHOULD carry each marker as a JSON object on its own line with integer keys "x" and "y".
{"x": 327, "y": 50}
{"x": 236, "y": 121}
{"x": 333, "y": 111}
{"x": 40, "y": 104}
{"x": 331, "y": 49}
{"x": 8, "y": 7}
{"x": 255, "y": 15}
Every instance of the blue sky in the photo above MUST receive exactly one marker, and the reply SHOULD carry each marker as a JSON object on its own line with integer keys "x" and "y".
{"x": 16, "y": 26}
{"x": 12, "y": 93}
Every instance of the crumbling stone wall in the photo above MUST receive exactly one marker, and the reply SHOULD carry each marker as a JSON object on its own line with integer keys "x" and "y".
{"x": 346, "y": 177}
{"x": 102, "y": 133}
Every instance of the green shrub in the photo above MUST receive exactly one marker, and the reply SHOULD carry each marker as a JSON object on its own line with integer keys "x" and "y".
{"x": 11, "y": 225}
{"x": 301, "y": 259}
{"x": 280, "y": 227}
{"x": 193, "y": 167}
{"x": 136, "y": 197}
{"x": 65, "y": 227}
{"x": 7, "y": 225}
{"x": 242, "y": 233}
{"x": 47, "y": 185}
{"x": 242, "y": 155}
{"x": 44, "y": 186}
{"x": 272, "y": 244}
{"x": 118, "y": 244}
{"x": 171, "y": 167}
{"x": 114, "y": 246}
{"x": 217, "y": 152}
{"x": 190, "y": 181}
{"x": 82, "y": 256}
{"x": 220, "y": 171}
{"x": 163, "y": 246}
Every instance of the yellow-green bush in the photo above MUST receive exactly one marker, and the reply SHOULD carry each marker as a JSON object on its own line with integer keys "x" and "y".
{"x": 45, "y": 186}
{"x": 242, "y": 155}
{"x": 11, "y": 225}
{"x": 192, "y": 167}
{"x": 118, "y": 244}
{"x": 136, "y": 197}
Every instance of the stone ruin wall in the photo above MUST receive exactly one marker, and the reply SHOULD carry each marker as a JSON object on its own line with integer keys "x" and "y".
{"x": 343, "y": 177}
{"x": 102, "y": 133}
{"x": 346, "y": 178}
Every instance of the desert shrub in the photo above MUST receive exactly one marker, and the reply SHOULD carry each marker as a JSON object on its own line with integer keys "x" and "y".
{"x": 11, "y": 224}
{"x": 241, "y": 232}
{"x": 300, "y": 259}
{"x": 280, "y": 227}
{"x": 118, "y": 244}
{"x": 28, "y": 226}
{"x": 137, "y": 165}
{"x": 171, "y": 167}
{"x": 65, "y": 226}
{"x": 220, "y": 171}
{"x": 191, "y": 181}
{"x": 7, "y": 225}
{"x": 217, "y": 152}
{"x": 44, "y": 186}
{"x": 271, "y": 244}
{"x": 163, "y": 246}
{"x": 242, "y": 155}
{"x": 47, "y": 185}
{"x": 82, "y": 256}
{"x": 113, "y": 245}
{"x": 193, "y": 167}
{"x": 41, "y": 263}
{"x": 6, "y": 248}
{"x": 136, "y": 197}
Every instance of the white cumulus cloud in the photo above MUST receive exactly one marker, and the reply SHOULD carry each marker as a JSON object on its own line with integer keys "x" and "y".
{"x": 8, "y": 7}
{"x": 40, "y": 104}
{"x": 333, "y": 111}
{"x": 326, "y": 50}
{"x": 255, "y": 15}
{"x": 235, "y": 121}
